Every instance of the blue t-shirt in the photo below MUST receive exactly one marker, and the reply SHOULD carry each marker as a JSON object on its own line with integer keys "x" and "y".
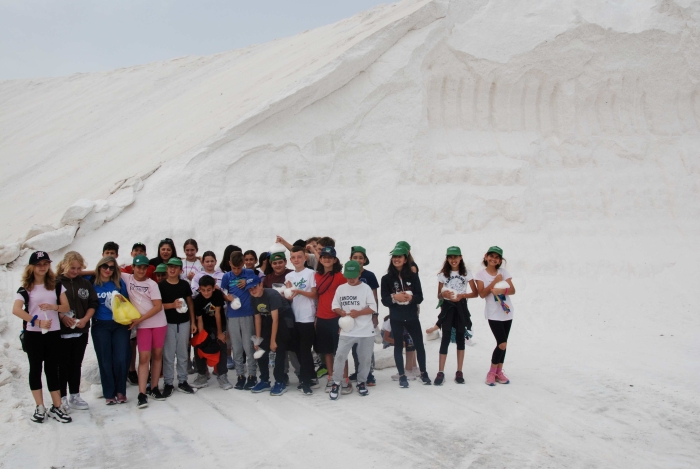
{"x": 104, "y": 294}
{"x": 370, "y": 279}
{"x": 229, "y": 284}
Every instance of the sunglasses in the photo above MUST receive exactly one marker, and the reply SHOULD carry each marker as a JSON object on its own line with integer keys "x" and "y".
{"x": 166, "y": 240}
{"x": 107, "y": 267}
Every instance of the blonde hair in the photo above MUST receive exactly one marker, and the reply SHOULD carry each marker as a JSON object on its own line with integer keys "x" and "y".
{"x": 28, "y": 278}
{"x": 116, "y": 273}
{"x": 68, "y": 259}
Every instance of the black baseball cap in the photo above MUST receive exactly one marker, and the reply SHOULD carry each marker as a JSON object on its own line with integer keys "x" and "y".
{"x": 138, "y": 245}
{"x": 39, "y": 256}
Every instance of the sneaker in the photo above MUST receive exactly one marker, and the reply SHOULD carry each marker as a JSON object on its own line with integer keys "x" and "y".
{"x": 110, "y": 401}
{"x": 223, "y": 382}
{"x": 190, "y": 368}
{"x": 39, "y": 414}
{"x": 240, "y": 383}
{"x": 133, "y": 378}
{"x": 459, "y": 377}
{"x": 315, "y": 384}
{"x": 65, "y": 405}
{"x": 157, "y": 395}
{"x": 347, "y": 388}
{"x": 250, "y": 384}
{"x": 77, "y": 402}
{"x": 491, "y": 377}
{"x": 334, "y": 391}
{"x": 501, "y": 377}
{"x": 261, "y": 386}
{"x": 403, "y": 382}
{"x": 143, "y": 401}
{"x": 371, "y": 380}
{"x": 329, "y": 385}
{"x": 121, "y": 398}
{"x": 321, "y": 372}
{"x": 396, "y": 377}
{"x": 57, "y": 414}
{"x": 306, "y": 390}
{"x": 425, "y": 378}
{"x": 468, "y": 341}
{"x": 185, "y": 387}
{"x": 362, "y": 389}
{"x": 278, "y": 389}
{"x": 416, "y": 373}
{"x": 168, "y": 390}
{"x": 353, "y": 377}
{"x": 229, "y": 363}
{"x": 201, "y": 381}
{"x": 410, "y": 374}
{"x": 440, "y": 378}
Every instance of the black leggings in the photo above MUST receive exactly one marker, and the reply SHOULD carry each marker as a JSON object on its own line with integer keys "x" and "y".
{"x": 453, "y": 315}
{"x": 500, "y": 330}
{"x": 43, "y": 351}
{"x": 71, "y": 362}
{"x": 413, "y": 328}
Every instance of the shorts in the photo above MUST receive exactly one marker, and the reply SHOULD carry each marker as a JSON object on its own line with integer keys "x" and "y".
{"x": 151, "y": 338}
{"x": 327, "y": 333}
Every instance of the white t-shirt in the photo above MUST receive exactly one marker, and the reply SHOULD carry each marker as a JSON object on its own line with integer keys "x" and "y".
{"x": 493, "y": 309}
{"x": 141, "y": 295}
{"x": 457, "y": 283}
{"x": 188, "y": 267}
{"x": 304, "y": 307}
{"x": 217, "y": 275}
{"x": 358, "y": 297}
{"x": 37, "y": 296}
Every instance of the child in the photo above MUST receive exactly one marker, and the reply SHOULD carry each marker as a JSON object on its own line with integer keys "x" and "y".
{"x": 303, "y": 281}
{"x": 328, "y": 279}
{"x": 166, "y": 250}
{"x": 250, "y": 258}
{"x": 273, "y": 319}
{"x": 241, "y": 323}
{"x": 276, "y": 270}
{"x": 191, "y": 265}
{"x": 262, "y": 263}
{"x": 230, "y": 249}
{"x": 180, "y": 325}
{"x": 209, "y": 268}
{"x": 110, "y": 248}
{"x": 498, "y": 309}
{"x": 208, "y": 307}
{"x": 139, "y": 249}
{"x": 359, "y": 255}
{"x": 151, "y": 327}
{"x": 354, "y": 299}
{"x": 453, "y": 280}
{"x": 160, "y": 272}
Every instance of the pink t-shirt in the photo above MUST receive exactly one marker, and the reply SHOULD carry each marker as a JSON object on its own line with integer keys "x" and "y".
{"x": 40, "y": 295}
{"x": 141, "y": 295}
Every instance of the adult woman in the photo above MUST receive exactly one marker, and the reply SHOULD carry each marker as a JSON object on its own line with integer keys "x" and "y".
{"x": 402, "y": 293}
{"x": 111, "y": 339}
{"x": 166, "y": 250}
{"x": 38, "y": 302}
{"x": 75, "y": 325}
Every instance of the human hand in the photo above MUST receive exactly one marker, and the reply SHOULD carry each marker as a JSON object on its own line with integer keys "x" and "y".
{"x": 177, "y": 303}
{"x": 134, "y": 322}
{"x": 193, "y": 328}
{"x": 273, "y": 346}
{"x": 498, "y": 278}
{"x": 45, "y": 324}
{"x": 241, "y": 284}
{"x": 48, "y": 307}
{"x": 222, "y": 338}
{"x": 80, "y": 323}
{"x": 354, "y": 313}
{"x": 67, "y": 321}
{"x": 449, "y": 295}
{"x": 190, "y": 275}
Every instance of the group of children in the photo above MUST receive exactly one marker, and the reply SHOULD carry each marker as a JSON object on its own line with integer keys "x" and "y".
{"x": 245, "y": 314}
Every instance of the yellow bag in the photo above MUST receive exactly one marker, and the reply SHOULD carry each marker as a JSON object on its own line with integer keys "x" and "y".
{"x": 123, "y": 311}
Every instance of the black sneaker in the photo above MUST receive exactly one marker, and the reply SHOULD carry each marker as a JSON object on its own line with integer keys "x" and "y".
{"x": 39, "y": 414}
{"x": 133, "y": 378}
{"x": 143, "y": 401}
{"x": 57, "y": 414}
{"x": 167, "y": 391}
{"x": 156, "y": 394}
{"x": 371, "y": 380}
{"x": 459, "y": 378}
{"x": 185, "y": 387}
{"x": 306, "y": 390}
{"x": 250, "y": 383}
{"x": 362, "y": 389}
{"x": 315, "y": 384}
{"x": 240, "y": 383}
{"x": 440, "y": 378}
{"x": 425, "y": 378}
{"x": 335, "y": 391}
{"x": 403, "y": 381}
{"x": 353, "y": 377}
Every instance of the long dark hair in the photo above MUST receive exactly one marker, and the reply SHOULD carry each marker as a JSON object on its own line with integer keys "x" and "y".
{"x": 336, "y": 267}
{"x": 170, "y": 243}
{"x": 486, "y": 264}
{"x": 208, "y": 254}
{"x": 447, "y": 268}
{"x": 405, "y": 272}
{"x": 224, "y": 266}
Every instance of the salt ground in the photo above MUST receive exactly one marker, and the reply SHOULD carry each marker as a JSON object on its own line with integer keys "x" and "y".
{"x": 566, "y": 133}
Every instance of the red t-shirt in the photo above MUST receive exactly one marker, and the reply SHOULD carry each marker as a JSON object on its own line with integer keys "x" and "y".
{"x": 326, "y": 285}
{"x": 150, "y": 272}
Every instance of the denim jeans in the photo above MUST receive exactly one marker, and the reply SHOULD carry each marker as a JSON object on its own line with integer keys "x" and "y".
{"x": 111, "y": 342}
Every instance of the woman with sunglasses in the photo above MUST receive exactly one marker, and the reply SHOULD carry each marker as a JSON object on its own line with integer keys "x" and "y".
{"x": 111, "y": 339}
{"x": 166, "y": 251}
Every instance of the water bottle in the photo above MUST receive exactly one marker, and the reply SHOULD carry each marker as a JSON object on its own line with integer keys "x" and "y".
{"x": 272, "y": 359}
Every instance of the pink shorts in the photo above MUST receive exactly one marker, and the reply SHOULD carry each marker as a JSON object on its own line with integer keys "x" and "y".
{"x": 152, "y": 338}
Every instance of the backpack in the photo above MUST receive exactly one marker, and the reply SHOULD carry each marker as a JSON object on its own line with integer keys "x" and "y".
{"x": 25, "y": 294}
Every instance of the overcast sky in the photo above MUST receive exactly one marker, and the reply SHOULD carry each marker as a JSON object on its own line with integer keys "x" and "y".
{"x": 60, "y": 37}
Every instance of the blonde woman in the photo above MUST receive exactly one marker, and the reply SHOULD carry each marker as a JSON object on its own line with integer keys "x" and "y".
{"x": 38, "y": 302}
{"x": 75, "y": 325}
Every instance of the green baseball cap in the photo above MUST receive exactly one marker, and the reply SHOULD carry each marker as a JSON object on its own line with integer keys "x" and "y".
{"x": 174, "y": 261}
{"x": 140, "y": 260}
{"x": 352, "y": 269}
{"x": 399, "y": 251}
{"x": 454, "y": 251}
{"x": 161, "y": 269}
{"x": 403, "y": 244}
{"x": 355, "y": 249}
{"x": 276, "y": 256}
{"x": 496, "y": 250}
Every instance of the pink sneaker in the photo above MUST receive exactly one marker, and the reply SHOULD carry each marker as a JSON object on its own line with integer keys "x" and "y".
{"x": 121, "y": 398}
{"x": 491, "y": 377}
{"x": 501, "y": 377}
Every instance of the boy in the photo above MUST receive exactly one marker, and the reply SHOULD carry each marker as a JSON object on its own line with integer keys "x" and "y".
{"x": 139, "y": 249}
{"x": 208, "y": 307}
{"x": 278, "y": 263}
{"x": 303, "y": 281}
{"x": 354, "y": 299}
{"x": 110, "y": 249}
{"x": 273, "y": 318}
{"x": 240, "y": 321}
{"x": 180, "y": 326}
{"x": 359, "y": 254}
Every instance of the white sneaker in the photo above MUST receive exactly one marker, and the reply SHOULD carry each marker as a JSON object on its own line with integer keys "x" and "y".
{"x": 395, "y": 377}
{"x": 77, "y": 402}
{"x": 329, "y": 385}
{"x": 39, "y": 414}
{"x": 65, "y": 405}
{"x": 411, "y": 374}
{"x": 346, "y": 388}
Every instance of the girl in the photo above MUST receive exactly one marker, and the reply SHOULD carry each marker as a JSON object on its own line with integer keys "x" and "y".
{"x": 83, "y": 302}
{"x": 328, "y": 278}
{"x": 38, "y": 303}
{"x": 111, "y": 339}
{"x": 498, "y": 310}
{"x": 401, "y": 292}
{"x": 209, "y": 268}
{"x": 166, "y": 250}
{"x": 191, "y": 265}
{"x": 452, "y": 289}
{"x": 225, "y": 266}
{"x": 250, "y": 258}
{"x": 262, "y": 264}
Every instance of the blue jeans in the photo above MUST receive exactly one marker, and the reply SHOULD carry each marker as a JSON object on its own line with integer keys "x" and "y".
{"x": 111, "y": 341}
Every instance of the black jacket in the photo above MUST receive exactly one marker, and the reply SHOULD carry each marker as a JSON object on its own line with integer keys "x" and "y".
{"x": 81, "y": 297}
{"x": 393, "y": 284}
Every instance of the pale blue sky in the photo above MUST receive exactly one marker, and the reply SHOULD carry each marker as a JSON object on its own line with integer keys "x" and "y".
{"x": 60, "y": 37}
